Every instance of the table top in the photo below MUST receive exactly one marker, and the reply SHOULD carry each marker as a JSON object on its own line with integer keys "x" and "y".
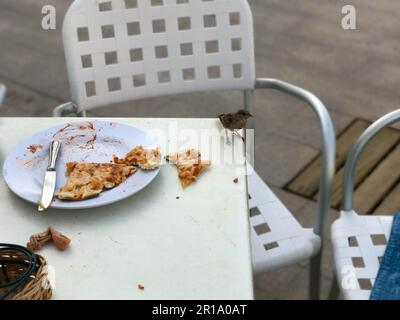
{"x": 196, "y": 246}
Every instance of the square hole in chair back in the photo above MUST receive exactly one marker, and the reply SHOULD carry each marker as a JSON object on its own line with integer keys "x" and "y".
{"x": 236, "y": 44}
{"x": 159, "y": 25}
{"x": 107, "y": 31}
{"x": 184, "y": 23}
{"x": 352, "y": 241}
{"x": 254, "y": 212}
{"x": 188, "y": 74}
{"x": 262, "y": 228}
{"x": 133, "y": 28}
{"x": 139, "y": 80}
{"x": 358, "y": 262}
{"x": 161, "y": 52}
{"x": 90, "y": 88}
{"x": 214, "y": 72}
{"x": 105, "y": 6}
{"x": 378, "y": 239}
{"x": 131, "y": 4}
{"x": 234, "y": 18}
{"x": 270, "y": 246}
{"x": 114, "y": 84}
{"x": 164, "y": 77}
{"x": 111, "y": 57}
{"x": 83, "y": 34}
{"x": 237, "y": 70}
{"x": 136, "y": 54}
{"x": 210, "y": 21}
{"x": 212, "y": 46}
{"x": 365, "y": 284}
{"x": 87, "y": 61}
{"x": 186, "y": 49}
{"x": 156, "y": 3}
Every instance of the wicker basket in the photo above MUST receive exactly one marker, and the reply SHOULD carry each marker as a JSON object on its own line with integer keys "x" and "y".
{"x": 36, "y": 288}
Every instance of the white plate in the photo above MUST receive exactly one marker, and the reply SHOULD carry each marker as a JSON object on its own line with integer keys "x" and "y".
{"x": 96, "y": 141}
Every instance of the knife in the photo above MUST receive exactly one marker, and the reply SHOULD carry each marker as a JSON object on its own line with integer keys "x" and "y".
{"x": 49, "y": 184}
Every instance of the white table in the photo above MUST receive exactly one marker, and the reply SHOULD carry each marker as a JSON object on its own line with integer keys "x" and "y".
{"x": 194, "y": 247}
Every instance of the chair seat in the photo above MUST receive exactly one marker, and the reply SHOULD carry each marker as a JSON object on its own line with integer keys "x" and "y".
{"x": 277, "y": 238}
{"x": 359, "y": 243}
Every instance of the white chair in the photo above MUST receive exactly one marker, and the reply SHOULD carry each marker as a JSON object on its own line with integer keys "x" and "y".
{"x": 119, "y": 50}
{"x": 359, "y": 242}
{"x": 3, "y": 91}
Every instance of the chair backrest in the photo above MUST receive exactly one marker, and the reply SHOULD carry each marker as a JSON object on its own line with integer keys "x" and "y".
{"x": 119, "y": 50}
{"x": 356, "y": 151}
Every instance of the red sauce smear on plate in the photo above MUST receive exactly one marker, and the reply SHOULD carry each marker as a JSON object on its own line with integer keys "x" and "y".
{"x": 34, "y": 147}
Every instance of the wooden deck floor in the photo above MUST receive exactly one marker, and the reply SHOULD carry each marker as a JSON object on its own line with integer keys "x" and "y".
{"x": 377, "y": 176}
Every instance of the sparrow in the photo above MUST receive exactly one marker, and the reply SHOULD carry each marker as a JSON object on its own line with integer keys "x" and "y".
{"x": 235, "y": 121}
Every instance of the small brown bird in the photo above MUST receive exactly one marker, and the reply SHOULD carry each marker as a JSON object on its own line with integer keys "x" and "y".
{"x": 235, "y": 121}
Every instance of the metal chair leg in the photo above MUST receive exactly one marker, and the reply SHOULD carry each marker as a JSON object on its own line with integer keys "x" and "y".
{"x": 328, "y": 168}
{"x": 3, "y": 91}
{"x": 315, "y": 279}
{"x": 334, "y": 292}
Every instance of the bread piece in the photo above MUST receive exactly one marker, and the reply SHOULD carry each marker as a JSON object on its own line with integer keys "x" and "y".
{"x": 146, "y": 159}
{"x": 189, "y": 165}
{"x": 88, "y": 180}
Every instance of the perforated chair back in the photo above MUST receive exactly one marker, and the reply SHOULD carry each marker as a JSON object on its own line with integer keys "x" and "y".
{"x": 120, "y": 50}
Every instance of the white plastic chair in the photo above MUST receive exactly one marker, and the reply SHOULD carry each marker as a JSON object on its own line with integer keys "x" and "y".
{"x": 359, "y": 242}
{"x": 119, "y": 50}
{"x": 3, "y": 91}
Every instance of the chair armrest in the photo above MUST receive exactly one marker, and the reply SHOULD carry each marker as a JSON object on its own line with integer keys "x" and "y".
{"x": 68, "y": 108}
{"x": 356, "y": 151}
{"x": 328, "y": 146}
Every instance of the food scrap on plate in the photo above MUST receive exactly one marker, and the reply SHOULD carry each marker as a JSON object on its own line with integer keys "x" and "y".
{"x": 146, "y": 159}
{"x": 189, "y": 165}
{"x": 88, "y": 180}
